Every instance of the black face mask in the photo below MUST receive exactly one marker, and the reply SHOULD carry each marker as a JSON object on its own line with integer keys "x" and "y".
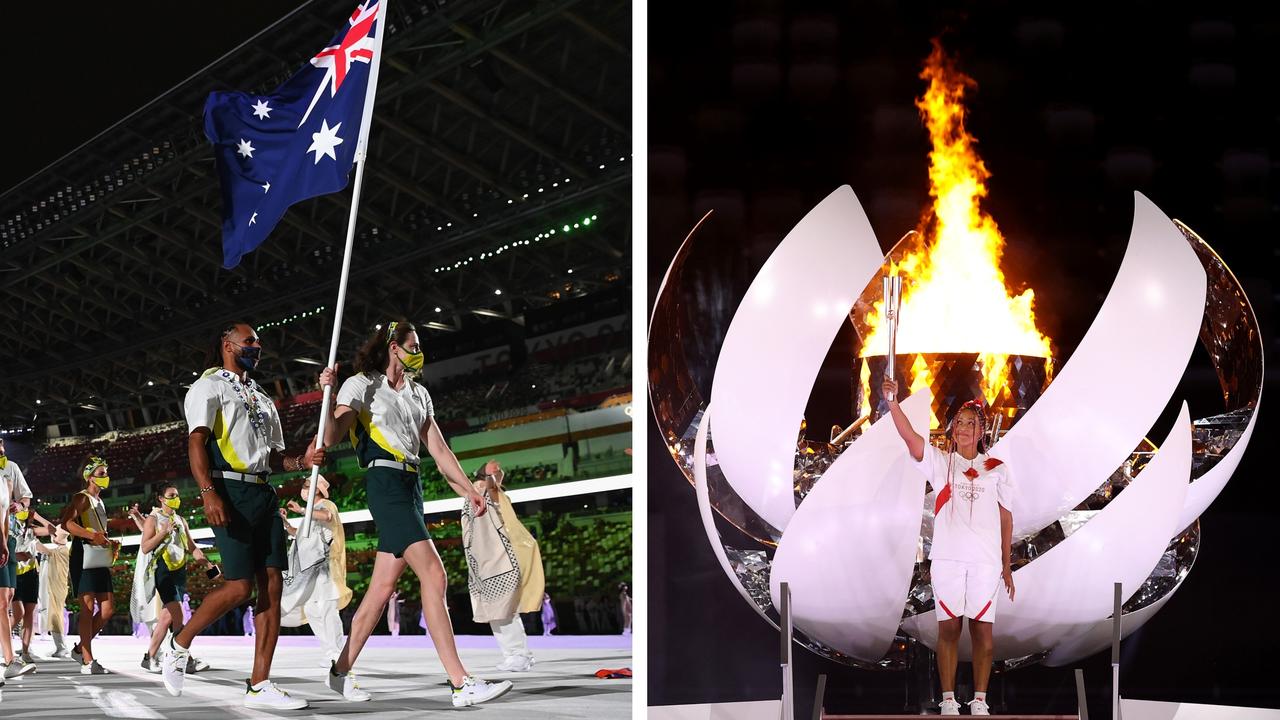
{"x": 248, "y": 357}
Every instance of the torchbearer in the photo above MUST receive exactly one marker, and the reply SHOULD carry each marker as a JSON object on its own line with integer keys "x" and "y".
{"x": 972, "y": 535}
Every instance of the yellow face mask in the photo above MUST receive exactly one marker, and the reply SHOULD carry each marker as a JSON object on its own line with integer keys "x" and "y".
{"x": 23, "y": 515}
{"x": 102, "y": 482}
{"x": 173, "y": 503}
{"x": 412, "y": 361}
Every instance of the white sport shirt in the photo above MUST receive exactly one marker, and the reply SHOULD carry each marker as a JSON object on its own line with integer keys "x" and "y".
{"x": 966, "y": 525}
{"x": 220, "y": 402}
{"x": 393, "y": 419}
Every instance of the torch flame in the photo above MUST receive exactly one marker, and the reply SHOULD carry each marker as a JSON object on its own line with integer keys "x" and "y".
{"x": 954, "y": 295}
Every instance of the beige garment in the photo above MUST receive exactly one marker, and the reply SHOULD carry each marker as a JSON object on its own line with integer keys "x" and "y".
{"x": 504, "y": 567}
{"x": 55, "y": 576}
{"x": 529, "y": 557}
{"x": 337, "y": 553}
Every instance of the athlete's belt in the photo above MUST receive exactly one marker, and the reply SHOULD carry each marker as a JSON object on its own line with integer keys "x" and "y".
{"x": 257, "y": 478}
{"x": 396, "y": 464}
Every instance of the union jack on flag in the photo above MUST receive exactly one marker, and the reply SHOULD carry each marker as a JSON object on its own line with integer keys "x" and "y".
{"x": 299, "y": 141}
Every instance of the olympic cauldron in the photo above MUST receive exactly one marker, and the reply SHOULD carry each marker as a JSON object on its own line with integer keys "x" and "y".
{"x": 848, "y": 526}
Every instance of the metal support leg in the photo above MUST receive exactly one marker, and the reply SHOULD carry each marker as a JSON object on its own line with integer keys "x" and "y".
{"x": 1082, "y": 699}
{"x": 817, "y": 697}
{"x": 1115, "y": 656}
{"x": 788, "y": 694}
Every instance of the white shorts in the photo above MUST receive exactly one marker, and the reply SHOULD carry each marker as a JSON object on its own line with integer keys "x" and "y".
{"x": 963, "y": 589}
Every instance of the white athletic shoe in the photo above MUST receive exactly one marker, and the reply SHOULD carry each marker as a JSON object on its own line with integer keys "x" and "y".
{"x": 949, "y": 707}
{"x": 76, "y": 654}
{"x": 27, "y": 657}
{"x": 93, "y": 668}
{"x": 475, "y": 691}
{"x": 18, "y": 667}
{"x": 61, "y": 653}
{"x": 516, "y": 663}
{"x": 346, "y": 685}
{"x": 268, "y": 696}
{"x": 195, "y": 665}
{"x": 3, "y": 668}
{"x": 978, "y": 707}
{"x": 173, "y": 663}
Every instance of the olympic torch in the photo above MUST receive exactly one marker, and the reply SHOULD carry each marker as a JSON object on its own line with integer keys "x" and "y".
{"x": 892, "y": 288}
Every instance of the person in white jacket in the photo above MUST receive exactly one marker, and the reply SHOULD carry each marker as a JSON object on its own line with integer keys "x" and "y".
{"x": 315, "y": 584}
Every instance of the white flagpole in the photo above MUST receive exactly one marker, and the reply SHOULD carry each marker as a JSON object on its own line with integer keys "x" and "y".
{"x": 361, "y": 153}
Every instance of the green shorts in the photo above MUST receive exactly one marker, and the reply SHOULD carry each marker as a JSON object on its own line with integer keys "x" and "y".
{"x": 171, "y": 585}
{"x": 254, "y": 536}
{"x": 9, "y": 571}
{"x": 91, "y": 580}
{"x": 395, "y": 502}
{"x": 28, "y": 590}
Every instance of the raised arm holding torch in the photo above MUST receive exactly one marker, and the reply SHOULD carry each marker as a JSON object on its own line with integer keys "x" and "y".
{"x": 892, "y": 287}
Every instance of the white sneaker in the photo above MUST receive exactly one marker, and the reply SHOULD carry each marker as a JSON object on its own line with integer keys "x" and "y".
{"x": 18, "y": 667}
{"x": 978, "y": 707}
{"x": 61, "y": 652}
{"x": 3, "y": 668}
{"x": 27, "y": 657}
{"x": 93, "y": 668}
{"x": 173, "y": 663}
{"x": 347, "y": 685}
{"x": 516, "y": 663}
{"x": 268, "y": 696}
{"x": 475, "y": 691}
{"x": 195, "y": 665}
{"x": 949, "y": 707}
{"x": 76, "y": 654}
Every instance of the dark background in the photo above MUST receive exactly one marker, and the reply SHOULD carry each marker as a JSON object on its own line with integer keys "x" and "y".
{"x": 760, "y": 109}
{"x": 79, "y": 68}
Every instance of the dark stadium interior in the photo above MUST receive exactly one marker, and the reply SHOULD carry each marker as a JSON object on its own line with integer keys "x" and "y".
{"x": 495, "y": 215}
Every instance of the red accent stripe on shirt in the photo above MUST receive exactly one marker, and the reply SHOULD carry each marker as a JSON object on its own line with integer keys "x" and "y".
{"x": 943, "y": 496}
{"x": 947, "y": 610}
{"x": 984, "y": 611}
{"x": 992, "y": 463}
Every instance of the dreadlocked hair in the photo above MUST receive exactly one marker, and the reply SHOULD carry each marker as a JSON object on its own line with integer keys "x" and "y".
{"x": 980, "y": 416}
{"x": 213, "y": 358}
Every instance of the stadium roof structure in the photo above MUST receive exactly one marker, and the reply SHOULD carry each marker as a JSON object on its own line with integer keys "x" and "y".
{"x": 496, "y": 123}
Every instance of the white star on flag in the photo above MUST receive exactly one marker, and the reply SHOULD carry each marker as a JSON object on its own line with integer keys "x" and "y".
{"x": 266, "y": 188}
{"x": 323, "y": 142}
{"x": 246, "y": 148}
{"x": 262, "y": 110}
{"x": 253, "y": 219}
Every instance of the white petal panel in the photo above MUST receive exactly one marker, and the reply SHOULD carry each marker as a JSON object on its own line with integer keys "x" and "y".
{"x": 1098, "y": 637}
{"x": 1068, "y": 590}
{"x": 708, "y": 519}
{"x": 1206, "y": 487}
{"x": 776, "y": 344}
{"x": 1118, "y": 380}
{"x": 849, "y": 551}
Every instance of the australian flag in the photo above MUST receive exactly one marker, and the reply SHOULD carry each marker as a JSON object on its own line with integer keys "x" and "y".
{"x": 298, "y": 142}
